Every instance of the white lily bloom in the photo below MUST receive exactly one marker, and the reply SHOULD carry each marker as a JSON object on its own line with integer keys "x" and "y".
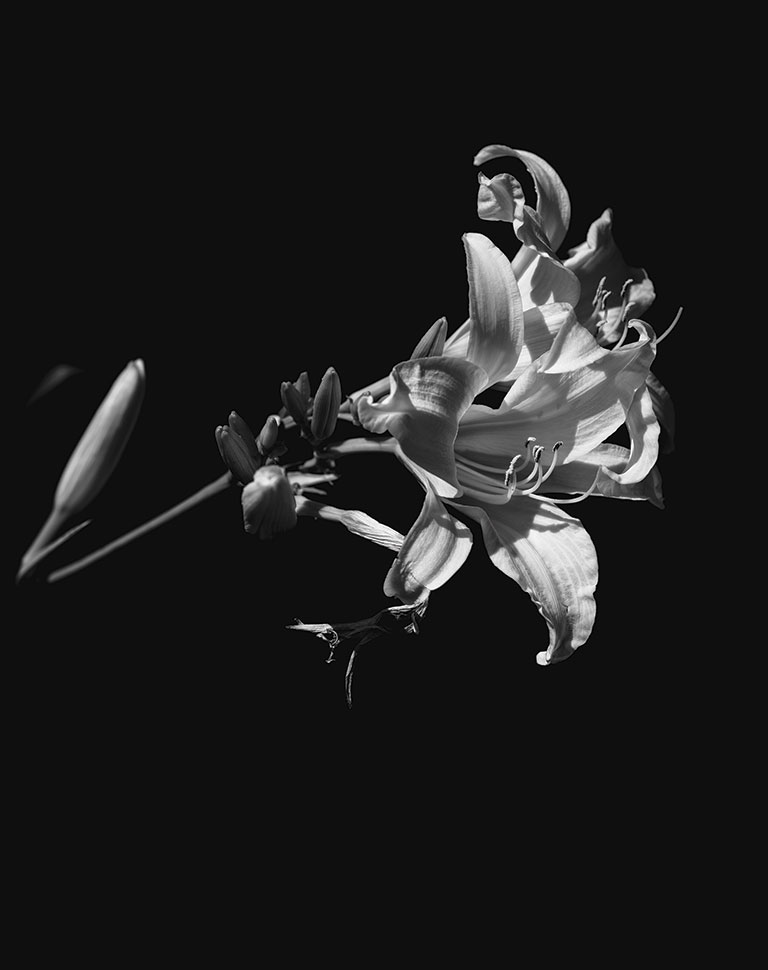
{"x": 503, "y": 466}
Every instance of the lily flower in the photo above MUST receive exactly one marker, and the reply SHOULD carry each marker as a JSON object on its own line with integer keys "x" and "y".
{"x": 504, "y": 466}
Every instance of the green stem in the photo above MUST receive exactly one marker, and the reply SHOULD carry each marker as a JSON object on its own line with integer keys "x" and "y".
{"x": 219, "y": 485}
{"x": 30, "y": 561}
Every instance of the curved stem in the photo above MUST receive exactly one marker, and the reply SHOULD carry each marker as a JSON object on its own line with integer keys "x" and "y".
{"x": 219, "y": 485}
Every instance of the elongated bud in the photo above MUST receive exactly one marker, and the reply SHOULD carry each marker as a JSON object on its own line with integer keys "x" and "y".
{"x": 294, "y": 403}
{"x": 269, "y": 506}
{"x": 236, "y": 455}
{"x": 303, "y": 386}
{"x": 99, "y": 450}
{"x": 326, "y": 407}
{"x": 433, "y": 341}
{"x": 268, "y": 435}
{"x": 240, "y": 427}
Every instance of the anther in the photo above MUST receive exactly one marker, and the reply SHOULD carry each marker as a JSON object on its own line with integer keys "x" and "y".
{"x": 555, "y": 448}
{"x": 511, "y": 474}
{"x": 538, "y": 471}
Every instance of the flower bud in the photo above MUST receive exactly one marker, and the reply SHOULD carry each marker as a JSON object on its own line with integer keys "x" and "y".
{"x": 294, "y": 403}
{"x": 269, "y": 506}
{"x": 99, "y": 449}
{"x": 239, "y": 426}
{"x": 236, "y": 455}
{"x": 303, "y": 386}
{"x": 326, "y": 407}
{"x": 268, "y": 434}
{"x": 433, "y": 341}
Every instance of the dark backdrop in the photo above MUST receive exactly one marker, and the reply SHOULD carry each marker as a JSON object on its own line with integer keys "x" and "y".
{"x": 232, "y": 235}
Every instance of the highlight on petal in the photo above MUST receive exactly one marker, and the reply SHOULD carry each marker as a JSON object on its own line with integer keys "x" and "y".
{"x": 541, "y": 280}
{"x": 427, "y": 398}
{"x": 550, "y": 555}
{"x": 436, "y": 546}
{"x": 600, "y": 258}
{"x": 495, "y": 308}
{"x": 552, "y": 205}
{"x": 540, "y": 327}
{"x": 577, "y": 393}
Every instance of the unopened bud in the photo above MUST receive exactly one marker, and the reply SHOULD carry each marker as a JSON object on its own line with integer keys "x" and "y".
{"x": 236, "y": 455}
{"x": 326, "y": 407}
{"x": 99, "y": 450}
{"x": 268, "y": 434}
{"x": 239, "y": 426}
{"x": 269, "y": 506}
{"x": 303, "y": 386}
{"x": 433, "y": 341}
{"x": 294, "y": 403}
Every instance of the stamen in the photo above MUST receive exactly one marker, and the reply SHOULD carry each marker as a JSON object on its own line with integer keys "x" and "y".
{"x": 510, "y": 472}
{"x": 537, "y": 469}
{"x": 626, "y": 303}
{"x": 579, "y": 498}
{"x": 598, "y": 292}
{"x": 555, "y": 448}
{"x": 670, "y": 328}
{"x": 536, "y": 456}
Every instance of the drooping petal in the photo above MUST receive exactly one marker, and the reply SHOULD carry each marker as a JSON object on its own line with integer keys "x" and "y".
{"x": 552, "y": 205}
{"x": 664, "y": 410}
{"x": 427, "y": 398}
{"x": 577, "y": 393}
{"x": 575, "y": 477}
{"x": 542, "y": 280}
{"x": 644, "y": 436}
{"x": 551, "y": 556}
{"x": 599, "y": 257}
{"x": 434, "y": 549}
{"x": 501, "y": 199}
{"x": 495, "y": 308}
{"x": 540, "y": 327}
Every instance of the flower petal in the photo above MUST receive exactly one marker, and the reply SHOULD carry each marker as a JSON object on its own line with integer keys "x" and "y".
{"x": 434, "y": 549}
{"x": 495, "y": 308}
{"x": 576, "y": 476}
{"x": 664, "y": 410}
{"x": 427, "y": 398}
{"x": 551, "y": 556}
{"x": 577, "y": 393}
{"x": 599, "y": 257}
{"x": 501, "y": 199}
{"x": 552, "y": 204}
{"x": 541, "y": 280}
{"x": 644, "y": 434}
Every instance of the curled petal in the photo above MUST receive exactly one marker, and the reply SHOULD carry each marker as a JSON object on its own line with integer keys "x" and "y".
{"x": 550, "y": 555}
{"x": 501, "y": 199}
{"x": 495, "y": 308}
{"x": 552, "y": 205}
{"x": 434, "y": 549}
{"x": 427, "y": 398}
{"x": 576, "y": 476}
{"x": 597, "y": 258}
{"x": 644, "y": 435}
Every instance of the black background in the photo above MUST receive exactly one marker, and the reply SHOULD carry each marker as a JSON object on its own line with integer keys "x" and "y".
{"x": 233, "y": 226}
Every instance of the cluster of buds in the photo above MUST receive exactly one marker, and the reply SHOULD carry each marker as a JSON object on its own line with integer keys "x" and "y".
{"x": 314, "y": 416}
{"x": 244, "y": 454}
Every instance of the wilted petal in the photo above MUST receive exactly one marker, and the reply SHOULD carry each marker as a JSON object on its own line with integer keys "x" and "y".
{"x": 495, "y": 308}
{"x": 269, "y": 505}
{"x": 363, "y": 525}
{"x": 664, "y": 410}
{"x": 599, "y": 257}
{"x": 553, "y": 205}
{"x": 422, "y": 410}
{"x": 551, "y": 556}
{"x": 434, "y": 549}
{"x": 577, "y": 393}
